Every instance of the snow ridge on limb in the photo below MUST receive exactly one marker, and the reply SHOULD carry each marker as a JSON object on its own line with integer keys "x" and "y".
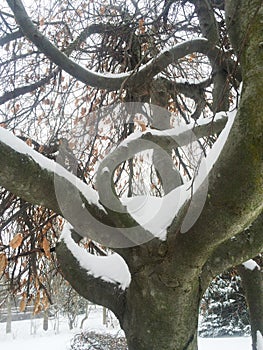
{"x": 87, "y": 276}
{"x": 181, "y": 136}
{"x": 110, "y": 268}
{"x": 51, "y": 185}
{"x": 17, "y": 145}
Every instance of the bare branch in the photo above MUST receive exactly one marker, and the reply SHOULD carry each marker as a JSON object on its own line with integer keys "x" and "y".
{"x": 113, "y": 82}
{"x": 235, "y": 250}
{"x": 28, "y": 88}
{"x": 58, "y": 57}
{"x": 10, "y": 37}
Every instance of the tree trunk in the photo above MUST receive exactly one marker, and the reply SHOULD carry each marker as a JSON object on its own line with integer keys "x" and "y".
{"x": 104, "y": 315}
{"x": 252, "y": 282}
{"x": 9, "y": 316}
{"x": 45, "y": 320}
{"x": 162, "y": 314}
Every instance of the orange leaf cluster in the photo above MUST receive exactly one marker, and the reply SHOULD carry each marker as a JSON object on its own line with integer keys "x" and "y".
{"x": 141, "y": 26}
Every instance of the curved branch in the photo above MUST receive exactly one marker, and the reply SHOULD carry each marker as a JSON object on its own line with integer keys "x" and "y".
{"x": 158, "y": 64}
{"x": 167, "y": 139}
{"x": 39, "y": 180}
{"x": 235, "y": 250}
{"x": 164, "y": 211}
{"x": 58, "y": 57}
{"x": 96, "y": 28}
{"x": 87, "y": 274}
{"x": 104, "y": 81}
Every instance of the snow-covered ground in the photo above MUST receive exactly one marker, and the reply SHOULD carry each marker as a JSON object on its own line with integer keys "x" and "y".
{"x": 23, "y": 337}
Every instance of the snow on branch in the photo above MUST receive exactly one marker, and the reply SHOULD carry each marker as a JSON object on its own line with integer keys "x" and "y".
{"x": 40, "y": 180}
{"x": 251, "y": 265}
{"x": 17, "y": 145}
{"x": 153, "y": 214}
{"x": 111, "y": 268}
{"x": 183, "y": 135}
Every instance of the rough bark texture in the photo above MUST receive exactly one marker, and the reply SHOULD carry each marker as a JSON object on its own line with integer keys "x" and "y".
{"x": 161, "y": 312}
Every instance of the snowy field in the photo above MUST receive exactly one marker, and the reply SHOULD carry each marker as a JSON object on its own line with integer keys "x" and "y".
{"x": 30, "y": 335}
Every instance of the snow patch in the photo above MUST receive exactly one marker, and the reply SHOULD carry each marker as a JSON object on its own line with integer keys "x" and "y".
{"x": 111, "y": 268}
{"x": 251, "y": 265}
{"x": 156, "y": 214}
{"x": 105, "y": 170}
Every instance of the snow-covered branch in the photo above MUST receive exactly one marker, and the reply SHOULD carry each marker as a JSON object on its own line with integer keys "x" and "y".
{"x": 40, "y": 180}
{"x": 153, "y": 214}
{"x": 150, "y": 139}
{"x": 110, "y": 268}
{"x": 109, "y": 275}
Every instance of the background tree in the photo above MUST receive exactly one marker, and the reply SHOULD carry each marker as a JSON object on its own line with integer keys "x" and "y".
{"x": 187, "y": 57}
{"x": 223, "y": 308}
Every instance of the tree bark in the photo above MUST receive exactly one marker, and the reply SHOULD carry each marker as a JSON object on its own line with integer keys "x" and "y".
{"x": 252, "y": 282}
{"x": 45, "y": 320}
{"x": 8, "y": 328}
{"x": 162, "y": 313}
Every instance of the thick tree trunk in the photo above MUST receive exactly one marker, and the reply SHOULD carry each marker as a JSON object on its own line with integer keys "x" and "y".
{"x": 252, "y": 282}
{"x": 162, "y": 314}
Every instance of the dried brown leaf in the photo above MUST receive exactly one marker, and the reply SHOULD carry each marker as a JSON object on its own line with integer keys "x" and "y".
{"x": 22, "y": 305}
{"x": 16, "y": 241}
{"x": 46, "y": 247}
{"x": 3, "y": 262}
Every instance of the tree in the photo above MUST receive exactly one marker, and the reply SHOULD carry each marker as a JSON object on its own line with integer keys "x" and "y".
{"x": 147, "y": 46}
{"x": 252, "y": 281}
{"x": 223, "y": 308}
